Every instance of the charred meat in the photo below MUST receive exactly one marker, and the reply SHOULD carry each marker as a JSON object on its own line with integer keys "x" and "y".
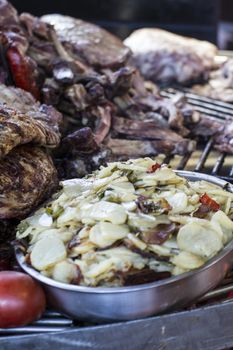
{"x": 27, "y": 176}
{"x": 18, "y": 128}
{"x": 87, "y": 74}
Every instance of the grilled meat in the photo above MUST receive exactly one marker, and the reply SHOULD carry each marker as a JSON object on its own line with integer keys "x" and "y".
{"x": 27, "y": 177}
{"x": 224, "y": 140}
{"x": 86, "y": 74}
{"x": 25, "y": 103}
{"x": 165, "y": 57}
{"x": 27, "y": 174}
{"x": 19, "y": 68}
{"x": 220, "y": 84}
{"x": 125, "y": 149}
{"x": 148, "y": 130}
{"x": 28, "y": 120}
{"x": 92, "y": 44}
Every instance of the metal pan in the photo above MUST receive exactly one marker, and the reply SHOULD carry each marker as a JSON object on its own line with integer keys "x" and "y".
{"x": 127, "y": 303}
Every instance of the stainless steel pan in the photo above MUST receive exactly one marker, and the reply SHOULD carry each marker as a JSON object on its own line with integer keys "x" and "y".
{"x": 126, "y": 303}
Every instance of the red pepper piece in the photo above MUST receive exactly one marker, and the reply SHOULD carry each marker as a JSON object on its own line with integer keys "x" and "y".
{"x": 154, "y": 167}
{"x": 22, "y": 71}
{"x": 209, "y": 202}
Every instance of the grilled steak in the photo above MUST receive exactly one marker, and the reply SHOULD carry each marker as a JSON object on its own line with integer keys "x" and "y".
{"x": 27, "y": 176}
{"x": 165, "y": 57}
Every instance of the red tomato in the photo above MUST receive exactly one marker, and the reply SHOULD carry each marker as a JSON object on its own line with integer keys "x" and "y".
{"x": 22, "y": 300}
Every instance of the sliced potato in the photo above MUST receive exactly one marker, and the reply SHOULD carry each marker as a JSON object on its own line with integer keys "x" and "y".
{"x": 47, "y": 252}
{"x": 82, "y": 248}
{"x": 225, "y": 224}
{"x": 136, "y": 241}
{"x": 160, "y": 249}
{"x": 141, "y": 221}
{"x": 105, "y": 234}
{"x": 68, "y": 215}
{"x": 45, "y": 220}
{"x": 123, "y": 187}
{"x": 65, "y": 272}
{"x": 101, "y": 267}
{"x": 178, "y": 270}
{"x": 178, "y": 201}
{"x": 200, "y": 239}
{"x": 74, "y": 187}
{"x": 106, "y": 211}
{"x": 187, "y": 261}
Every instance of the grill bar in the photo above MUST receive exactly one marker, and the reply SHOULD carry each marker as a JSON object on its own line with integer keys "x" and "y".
{"x": 50, "y": 322}
{"x": 214, "y": 110}
{"x": 200, "y": 101}
{"x": 204, "y": 156}
{"x": 53, "y": 321}
{"x": 219, "y": 163}
{"x": 31, "y": 330}
{"x": 218, "y": 292}
{"x": 184, "y": 161}
{"x": 231, "y": 172}
{"x": 204, "y": 105}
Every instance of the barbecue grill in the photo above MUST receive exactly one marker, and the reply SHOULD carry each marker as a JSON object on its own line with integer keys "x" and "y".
{"x": 204, "y": 325}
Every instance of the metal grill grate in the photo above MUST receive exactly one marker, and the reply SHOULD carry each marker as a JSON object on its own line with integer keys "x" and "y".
{"x": 205, "y": 159}
{"x": 50, "y": 322}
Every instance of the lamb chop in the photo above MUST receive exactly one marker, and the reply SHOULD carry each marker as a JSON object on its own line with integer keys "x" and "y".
{"x": 167, "y": 58}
